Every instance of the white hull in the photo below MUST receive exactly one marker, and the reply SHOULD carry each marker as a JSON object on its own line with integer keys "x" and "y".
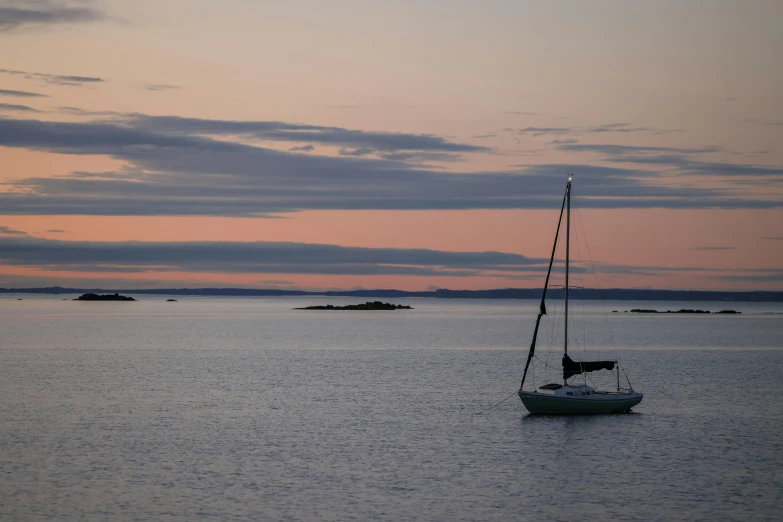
{"x": 589, "y": 401}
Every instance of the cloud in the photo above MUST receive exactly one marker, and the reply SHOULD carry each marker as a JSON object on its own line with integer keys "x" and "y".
{"x": 765, "y": 122}
{"x": 56, "y": 79}
{"x": 113, "y": 281}
{"x": 253, "y": 257}
{"x": 76, "y": 111}
{"x": 715, "y": 248}
{"x": 22, "y": 94}
{"x": 11, "y": 231}
{"x": 641, "y": 270}
{"x": 12, "y": 107}
{"x": 81, "y": 137}
{"x": 293, "y": 132}
{"x": 177, "y": 174}
{"x": 161, "y": 87}
{"x": 364, "y": 151}
{"x": 541, "y": 131}
{"x": 421, "y": 157}
{"x": 672, "y": 157}
{"x": 521, "y": 113}
{"x": 55, "y": 231}
{"x": 745, "y": 278}
{"x": 595, "y": 129}
{"x": 262, "y": 257}
{"x": 15, "y": 15}
{"x": 304, "y": 148}
{"x": 343, "y": 106}
{"x": 626, "y": 128}
{"x": 616, "y": 150}
{"x": 702, "y": 168}
{"x": 773, "y": 238}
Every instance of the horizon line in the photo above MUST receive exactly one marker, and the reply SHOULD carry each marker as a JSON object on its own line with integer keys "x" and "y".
{"x": 368, "y": 291}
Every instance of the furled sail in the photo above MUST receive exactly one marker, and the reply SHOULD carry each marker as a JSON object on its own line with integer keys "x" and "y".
{"x": 571, "y": 367}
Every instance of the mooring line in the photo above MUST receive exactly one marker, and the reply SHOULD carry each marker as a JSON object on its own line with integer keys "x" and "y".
{"x": 498, "y": 404}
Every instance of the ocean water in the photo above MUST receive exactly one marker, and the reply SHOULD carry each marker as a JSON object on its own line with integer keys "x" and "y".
{"x": 244, "y": 409}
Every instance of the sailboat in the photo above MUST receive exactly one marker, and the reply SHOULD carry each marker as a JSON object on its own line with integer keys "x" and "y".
{"x": 570, "y": 397}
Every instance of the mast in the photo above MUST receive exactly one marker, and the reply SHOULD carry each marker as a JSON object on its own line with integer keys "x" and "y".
{"x": 542, "y": 306}
{"x": 568, "y": 252}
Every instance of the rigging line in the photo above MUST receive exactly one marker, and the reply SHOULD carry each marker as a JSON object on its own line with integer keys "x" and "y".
{"x": 591, "y": 381}
{"x": 545, "y": 363}
{"x": 496, "y": 405}
{"x": 625, "y": 375}
{"x": 582, "y": 301}
{"x": 533, "y": 376}
{"x": 553, "y": 320}
{"x": 598, "y": 287}
{"x": 595, "y": 276}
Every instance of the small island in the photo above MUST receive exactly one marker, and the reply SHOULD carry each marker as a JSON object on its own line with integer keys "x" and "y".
{"x": 681, "y": 311}
{"x": 374, "y": 305}
{"x": 103, "y": 297}
{"x": 171, "y": 300}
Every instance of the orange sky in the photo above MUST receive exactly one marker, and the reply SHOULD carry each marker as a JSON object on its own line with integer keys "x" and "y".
{"x": 641, "y": 102}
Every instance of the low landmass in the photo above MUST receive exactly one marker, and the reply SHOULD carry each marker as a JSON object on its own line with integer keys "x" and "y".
{"x": 610, "y": 294}
{"x": 681, "y": 311}
{"x": 103, "y": 297}
{"x": 369, "y": 305}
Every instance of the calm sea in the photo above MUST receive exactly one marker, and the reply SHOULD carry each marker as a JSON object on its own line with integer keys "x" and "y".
{"x": 243, "y": 409}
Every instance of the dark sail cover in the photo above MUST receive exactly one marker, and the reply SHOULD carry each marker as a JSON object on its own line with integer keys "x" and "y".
{"x": 571, "y": 367}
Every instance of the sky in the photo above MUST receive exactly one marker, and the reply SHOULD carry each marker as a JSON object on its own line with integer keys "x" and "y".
{"x": 390, "y": 143}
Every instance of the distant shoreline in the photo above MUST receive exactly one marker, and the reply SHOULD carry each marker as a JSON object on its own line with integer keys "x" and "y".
{"x": 611, "y": 294}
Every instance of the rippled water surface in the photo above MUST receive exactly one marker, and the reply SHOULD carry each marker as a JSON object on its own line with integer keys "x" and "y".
{"x": 243, "y": 409}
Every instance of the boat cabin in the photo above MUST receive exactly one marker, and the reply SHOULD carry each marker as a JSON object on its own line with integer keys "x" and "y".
{"x": 558, "y": 390}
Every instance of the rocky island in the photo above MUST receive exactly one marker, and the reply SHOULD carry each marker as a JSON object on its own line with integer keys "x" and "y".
{"x": 103, "y": 297}
{"x": 369, "y": 305}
